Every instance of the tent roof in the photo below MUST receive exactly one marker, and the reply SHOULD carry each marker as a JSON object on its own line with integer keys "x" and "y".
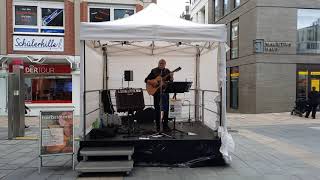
{"x": 153, "y": 24}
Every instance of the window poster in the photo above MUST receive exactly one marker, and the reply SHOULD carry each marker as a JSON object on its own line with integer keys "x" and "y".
{"x": 26, "y": 15}
{"x": 56, "y": 132}
{"x": 99, "y": 14}
{"x": 122, "y": 13}
{"x": 52, "y": 17}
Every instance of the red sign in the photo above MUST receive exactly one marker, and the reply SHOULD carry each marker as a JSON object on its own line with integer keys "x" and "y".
{"x": 45, "y": 68}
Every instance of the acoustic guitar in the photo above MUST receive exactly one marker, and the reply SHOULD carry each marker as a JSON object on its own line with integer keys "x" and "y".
{"x": 153, "y": 87}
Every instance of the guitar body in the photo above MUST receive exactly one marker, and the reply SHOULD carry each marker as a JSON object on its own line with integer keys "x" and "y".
{"x": 153, "y": 87}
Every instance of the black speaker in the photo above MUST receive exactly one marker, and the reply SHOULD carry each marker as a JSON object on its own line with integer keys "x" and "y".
{"x": 129, "y": 100}
{"x": 128, "y": 75}
{"x": 147, "y": 116}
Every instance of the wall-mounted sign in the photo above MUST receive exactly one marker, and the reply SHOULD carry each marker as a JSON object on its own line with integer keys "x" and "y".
{"x": 262, "y": 46}
{"x": 274, "y": 47}
{"x": 45, "y": 68}
{"x": 38, "y": 43}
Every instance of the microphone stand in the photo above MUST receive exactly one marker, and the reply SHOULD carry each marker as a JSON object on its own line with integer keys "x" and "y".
{"x": 160, "y": 103}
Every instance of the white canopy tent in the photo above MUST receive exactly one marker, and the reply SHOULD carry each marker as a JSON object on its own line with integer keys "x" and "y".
{"x": 139, "y": 41}
{"x": 153, "y": 24}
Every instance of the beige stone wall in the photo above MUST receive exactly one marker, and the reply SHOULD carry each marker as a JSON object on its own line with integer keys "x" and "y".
{"x": 275, "y": 87}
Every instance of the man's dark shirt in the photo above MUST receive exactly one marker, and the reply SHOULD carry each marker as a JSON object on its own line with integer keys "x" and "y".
{"x": 313, "y": 97}
{"x": 156, "y": 72}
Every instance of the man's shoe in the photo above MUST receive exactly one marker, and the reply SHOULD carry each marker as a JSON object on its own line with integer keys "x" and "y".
{"x": 25, "y": 126}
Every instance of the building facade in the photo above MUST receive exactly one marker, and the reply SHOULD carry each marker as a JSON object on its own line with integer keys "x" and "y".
{"x": 44, "y": 34}
{"x": 274, "y": 55}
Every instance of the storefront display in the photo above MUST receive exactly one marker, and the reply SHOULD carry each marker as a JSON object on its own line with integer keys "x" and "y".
{"x": 308, "y": 76}
{"x": 51, "y": 89}
{"x": 47, "y": 83}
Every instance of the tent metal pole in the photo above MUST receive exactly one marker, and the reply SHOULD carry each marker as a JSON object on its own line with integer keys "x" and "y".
{"x": 105, "y": 68}
{"x": 107, "y": 72}
{"x": 222, "y": 82}
{"x": 83, "y": 86}
{"x": 197, "y": 86}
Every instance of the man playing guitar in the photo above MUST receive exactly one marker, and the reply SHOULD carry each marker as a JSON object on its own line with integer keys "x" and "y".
{"x": 152, "y": 81}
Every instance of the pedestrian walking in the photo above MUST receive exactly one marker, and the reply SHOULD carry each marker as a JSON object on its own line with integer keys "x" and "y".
{"x": 26, "y": 109}
{"x": 313, "y": 101}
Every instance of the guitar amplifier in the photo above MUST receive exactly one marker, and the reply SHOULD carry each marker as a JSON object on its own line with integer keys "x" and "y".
{"x": 129, "y": 100}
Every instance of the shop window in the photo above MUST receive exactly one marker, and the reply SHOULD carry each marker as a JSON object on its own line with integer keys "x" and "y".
{"x": 308, "y": 76}
{"x": 52, "y": 89}
{"x": 234, "y": 39}
{"x": 98, "y": 13}
{"x": 302, "y": 84}
{"x": 308, "y": 31}
{"x": 234, "y": 87}
{"x": 38, "y": 18}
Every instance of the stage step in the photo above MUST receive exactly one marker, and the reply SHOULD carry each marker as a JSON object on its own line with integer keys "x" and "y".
{"x": 104, "y": 166}
{"x": 107, "y": 151}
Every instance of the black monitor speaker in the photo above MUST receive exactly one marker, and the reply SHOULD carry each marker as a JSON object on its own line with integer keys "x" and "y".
{"x": 128, "y": 75}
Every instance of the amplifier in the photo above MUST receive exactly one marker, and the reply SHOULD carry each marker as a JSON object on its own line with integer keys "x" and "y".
{"x": 129, "y": 100}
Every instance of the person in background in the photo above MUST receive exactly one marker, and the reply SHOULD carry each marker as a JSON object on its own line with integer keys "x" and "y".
{"x": 26, "y": 109}
{"x": 313, "y": 99}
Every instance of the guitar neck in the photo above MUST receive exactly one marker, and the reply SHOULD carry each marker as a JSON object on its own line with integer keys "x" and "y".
{"x": 165, "y": 77}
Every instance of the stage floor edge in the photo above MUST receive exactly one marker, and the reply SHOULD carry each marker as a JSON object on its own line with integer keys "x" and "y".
{"x": 183, "y": 150}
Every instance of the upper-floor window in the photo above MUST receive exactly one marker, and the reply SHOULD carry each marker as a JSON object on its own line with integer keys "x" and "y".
{"x": 236, "y": 3}
{"x": 226, "y": 7}
{"x": 122, "y": 13}
{"x": 45, "y": 18}
{"x": 308, "y": 31}
{"x": 234, "y": 39}
{"x": 100, "y": 13}
{"x": 217, "y": 10}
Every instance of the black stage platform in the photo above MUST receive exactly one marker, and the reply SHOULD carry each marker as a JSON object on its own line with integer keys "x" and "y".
{"x": 199, "y": 149}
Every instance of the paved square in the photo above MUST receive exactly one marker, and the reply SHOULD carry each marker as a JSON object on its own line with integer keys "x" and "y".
{"x": 268, "y": 146}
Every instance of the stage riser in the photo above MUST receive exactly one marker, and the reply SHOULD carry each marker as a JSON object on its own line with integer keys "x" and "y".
{"x": 166, "y": 152}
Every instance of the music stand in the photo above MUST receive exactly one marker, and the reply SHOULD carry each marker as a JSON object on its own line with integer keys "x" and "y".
{"x": 177, "y": 87}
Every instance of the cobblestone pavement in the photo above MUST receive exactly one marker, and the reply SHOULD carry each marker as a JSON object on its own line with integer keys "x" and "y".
{"x": 268, "y": 146}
